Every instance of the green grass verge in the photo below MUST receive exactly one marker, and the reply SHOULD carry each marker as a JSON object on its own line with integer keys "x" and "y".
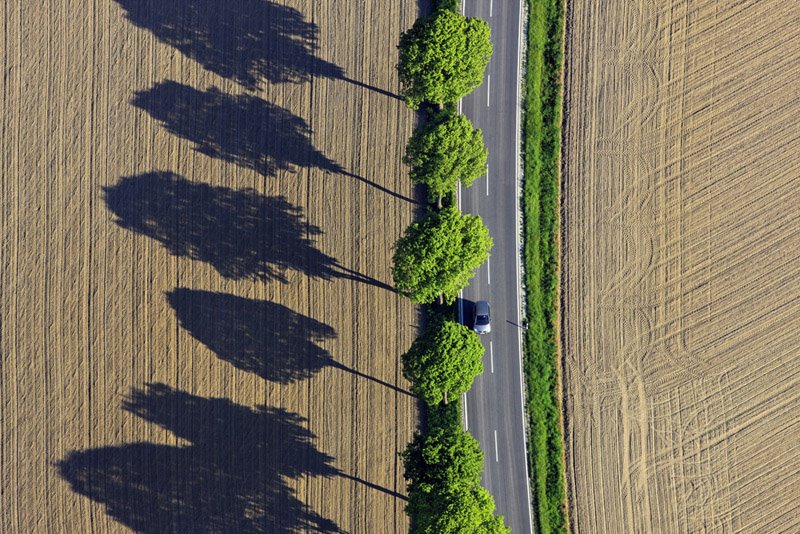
{"x": 541, "y": 190}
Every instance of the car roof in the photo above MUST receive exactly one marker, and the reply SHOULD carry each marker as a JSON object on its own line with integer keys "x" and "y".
{"x": 482, "y": 307}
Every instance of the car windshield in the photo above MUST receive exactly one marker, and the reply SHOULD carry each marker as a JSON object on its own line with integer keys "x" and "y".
{"x": 482, "y": 319}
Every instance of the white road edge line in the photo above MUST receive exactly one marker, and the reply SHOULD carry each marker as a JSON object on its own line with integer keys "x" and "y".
{"x": 488, "y": 88}
{"x": 496, "y": 453}
{"x": 487, "y": 179}
{"x": 461, "y": 292}
{"x": 466, "y": 419}
{"x": 461, "y": 296}
{"x": 489, "y": 271}
{"x": 491, "y": 356}
{"x": 519, "y": 255}
{"x": 491, "y": 5}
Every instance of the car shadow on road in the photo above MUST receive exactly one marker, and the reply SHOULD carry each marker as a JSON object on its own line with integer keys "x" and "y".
{"x": 241, "y": 233}
{"x": 466, "y": 310}
{"x": 243, "y": 40}
{"x": 258, "y": 336}
{"x": 232, "y": 476}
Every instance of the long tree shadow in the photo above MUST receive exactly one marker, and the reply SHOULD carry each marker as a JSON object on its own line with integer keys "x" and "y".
{"x": 241, "y": 129}
{"x": 233, "y": 476}
{"x": 262, "y": 337}
{"x": 242, "y": 40}
{"x": 241, "y": 233}
{"x": 256, "y": 336}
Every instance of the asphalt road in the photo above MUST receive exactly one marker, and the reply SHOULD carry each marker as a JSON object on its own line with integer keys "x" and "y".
{"x": 493, "y": 407}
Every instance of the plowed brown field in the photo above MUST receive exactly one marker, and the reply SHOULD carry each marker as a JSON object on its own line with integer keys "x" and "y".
{"x": 197, "y": 209}
{"x": 682, "y": 266}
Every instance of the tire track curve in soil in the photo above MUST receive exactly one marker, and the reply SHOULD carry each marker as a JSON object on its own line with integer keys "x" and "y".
{"x": 680, "y": 251}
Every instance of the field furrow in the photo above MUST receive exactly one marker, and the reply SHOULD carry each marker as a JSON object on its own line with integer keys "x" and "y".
{"x": 198, "y": 204}
{"x": 681, "y": 261}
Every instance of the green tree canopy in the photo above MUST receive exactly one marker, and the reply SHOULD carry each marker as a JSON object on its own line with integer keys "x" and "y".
{"x": 444, "y": 151}
{"x": 443, "y": 57}
{"x": 443, "y": 361}
{"x": 439, "y": 254}
{"x": 463, "y": 509}
{"x": 445, "y": 496}
{"x": 445, "y": 457}
{"x": 444, "y": 415}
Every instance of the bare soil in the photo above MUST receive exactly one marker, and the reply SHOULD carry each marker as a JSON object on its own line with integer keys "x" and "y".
{"x": 197, "y": 209}
{"x": 681, "y": 266}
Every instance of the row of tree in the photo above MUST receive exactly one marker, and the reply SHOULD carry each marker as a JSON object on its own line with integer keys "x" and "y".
{"x": 443, "y": 58}
{"x": 444, "y": 468}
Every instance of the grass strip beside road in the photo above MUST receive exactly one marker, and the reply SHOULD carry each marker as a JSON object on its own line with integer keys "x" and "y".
{"x": 541, "y": 208}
